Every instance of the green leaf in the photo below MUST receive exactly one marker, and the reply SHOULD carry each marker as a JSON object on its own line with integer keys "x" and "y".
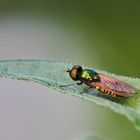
{"x": 52, "y": 74}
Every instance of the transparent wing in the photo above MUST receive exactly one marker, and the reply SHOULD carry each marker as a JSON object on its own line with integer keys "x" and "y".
{"x": 115, "y": 84}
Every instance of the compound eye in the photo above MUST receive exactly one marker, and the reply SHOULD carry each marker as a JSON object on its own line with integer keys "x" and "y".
{"x": 78, "y": 67}
{"x": 74, "y": 74}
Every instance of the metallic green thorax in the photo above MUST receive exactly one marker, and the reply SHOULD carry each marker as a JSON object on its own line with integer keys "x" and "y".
{"x": 89, "y": 75}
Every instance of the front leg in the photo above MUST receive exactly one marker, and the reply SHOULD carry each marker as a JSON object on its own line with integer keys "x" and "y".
{"x": 79, "y": 83}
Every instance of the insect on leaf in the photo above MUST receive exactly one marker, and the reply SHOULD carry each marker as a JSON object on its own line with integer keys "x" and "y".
{"x": 53, "y": 75}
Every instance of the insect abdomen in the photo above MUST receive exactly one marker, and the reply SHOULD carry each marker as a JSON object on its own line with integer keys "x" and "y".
{"x": 105, "y": 91}
{"x": 110, "y": 92}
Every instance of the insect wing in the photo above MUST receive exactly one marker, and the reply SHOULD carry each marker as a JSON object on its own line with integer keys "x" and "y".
{"x": 116, "y": 85}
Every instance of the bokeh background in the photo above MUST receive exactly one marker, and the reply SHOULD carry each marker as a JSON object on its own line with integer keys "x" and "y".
{"x": 99, "y": 34}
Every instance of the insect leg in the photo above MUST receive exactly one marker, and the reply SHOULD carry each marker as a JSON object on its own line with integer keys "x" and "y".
{"x": 79, "y": 83}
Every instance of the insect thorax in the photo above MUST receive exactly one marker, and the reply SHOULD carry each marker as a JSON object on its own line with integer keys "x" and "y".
{"x": 88, "y": 75}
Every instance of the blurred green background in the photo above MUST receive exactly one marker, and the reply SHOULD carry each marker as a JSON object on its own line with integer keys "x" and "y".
{"x": 99, "y": 34}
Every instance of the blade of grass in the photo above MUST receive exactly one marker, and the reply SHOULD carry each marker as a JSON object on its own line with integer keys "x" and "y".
{"x": 52, "y": 74}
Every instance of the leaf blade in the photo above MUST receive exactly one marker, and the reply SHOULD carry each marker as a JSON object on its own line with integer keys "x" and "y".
{"x": 52, "y": 74}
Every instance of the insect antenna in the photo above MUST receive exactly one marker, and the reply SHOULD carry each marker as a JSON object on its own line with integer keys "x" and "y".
{"x": 68, "y": 70}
